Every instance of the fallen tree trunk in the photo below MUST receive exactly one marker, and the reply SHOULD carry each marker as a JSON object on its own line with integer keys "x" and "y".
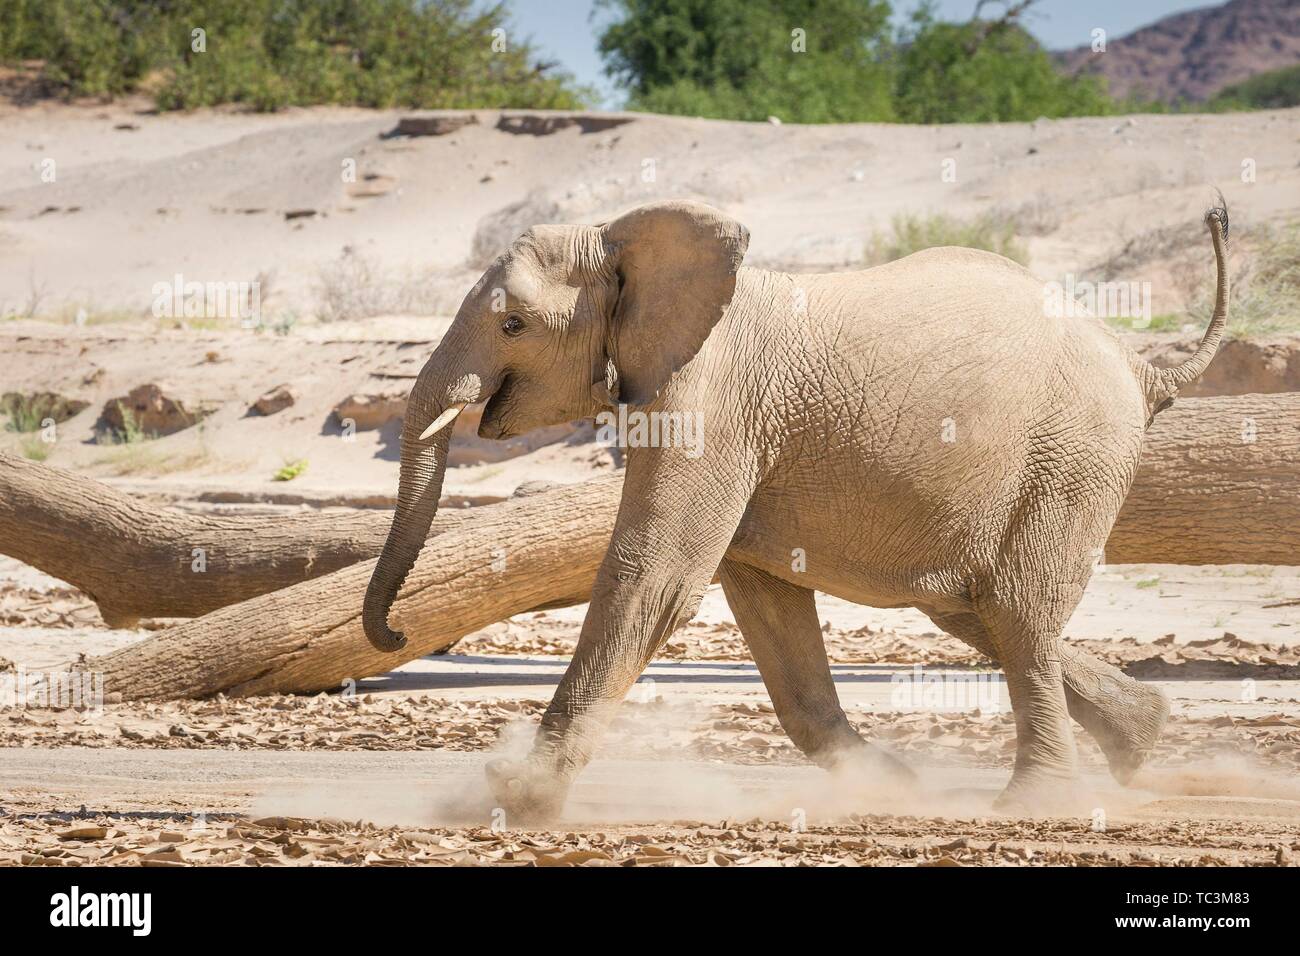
{"x": 525, "y": 553}
{"x": 543, "y": 550}
{"x": 1219, "y": 483}
{"x": 139, "y": 561}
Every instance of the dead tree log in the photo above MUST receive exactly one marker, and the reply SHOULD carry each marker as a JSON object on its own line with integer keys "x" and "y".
{"x": 1219, "y": 483}
{"x": 1217, "y": 457}
{"x": 530, "y": 552}
{"x": 138, "y": 561}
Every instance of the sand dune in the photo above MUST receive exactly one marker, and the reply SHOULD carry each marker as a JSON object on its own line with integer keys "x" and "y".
{"x": 139, "y": 197}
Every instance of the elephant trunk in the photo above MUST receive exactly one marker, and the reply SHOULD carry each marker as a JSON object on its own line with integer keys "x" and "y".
{"x": 423, "y": 462}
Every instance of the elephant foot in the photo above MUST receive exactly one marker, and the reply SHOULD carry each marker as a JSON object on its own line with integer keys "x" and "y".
{"x": 870, "y": 764}
{"x": 527, "y": 792}
{"x": 1124, "y": 716}
{"x": 1037, "y": 793}
{"x": 1130, "y": 741}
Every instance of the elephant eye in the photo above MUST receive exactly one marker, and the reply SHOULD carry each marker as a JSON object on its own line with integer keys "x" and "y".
{"x": 513, "y": 324}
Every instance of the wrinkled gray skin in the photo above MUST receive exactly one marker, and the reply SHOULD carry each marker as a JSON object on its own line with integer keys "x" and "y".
{"x": 923, "y": 431}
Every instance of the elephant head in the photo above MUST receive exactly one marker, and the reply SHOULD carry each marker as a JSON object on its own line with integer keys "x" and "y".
{"x": 569, "y": 320}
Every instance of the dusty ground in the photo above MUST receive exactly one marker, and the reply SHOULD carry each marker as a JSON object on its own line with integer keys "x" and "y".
{"x": 696, "y": 770}
{"x": 154, "y": 830}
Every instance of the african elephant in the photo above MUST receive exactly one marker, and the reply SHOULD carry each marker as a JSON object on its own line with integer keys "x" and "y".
{"x": 925, "y": 431}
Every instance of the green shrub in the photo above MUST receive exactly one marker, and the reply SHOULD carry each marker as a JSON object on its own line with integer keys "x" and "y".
{"x": 910, "y": 233}
{"x": 1275, "y": 89}
{"x": 1266, "y": 293}
{"x": 268, "y": 54}
{"x": 132, "y": 432}
{"x": 1164, "y": 322}
{"x": 291, "y": 470}
{"x": 24, "y": 412}
{"x": 35, "y": 448}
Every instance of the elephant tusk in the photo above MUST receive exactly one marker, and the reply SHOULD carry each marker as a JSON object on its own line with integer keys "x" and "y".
{"x": 442, "y": 421}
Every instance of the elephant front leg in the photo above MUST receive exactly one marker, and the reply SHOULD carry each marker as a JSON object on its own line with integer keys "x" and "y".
{"x": 632, "y": 613}
{"x": 659, "y": 563}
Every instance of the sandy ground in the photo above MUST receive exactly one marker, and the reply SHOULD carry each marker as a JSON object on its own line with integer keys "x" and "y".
{"x": 696, "y": 770}
{"x": 139, "y": 197}
{"x": 177, "y": 809}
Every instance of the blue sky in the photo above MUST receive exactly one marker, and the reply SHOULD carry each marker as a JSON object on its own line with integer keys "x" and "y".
{"x": 564, "y": 29}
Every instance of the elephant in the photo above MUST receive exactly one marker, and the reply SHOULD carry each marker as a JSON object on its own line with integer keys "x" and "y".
{"x": 923, "y": 433}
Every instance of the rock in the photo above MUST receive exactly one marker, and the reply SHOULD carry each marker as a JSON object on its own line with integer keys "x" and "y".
{"x": 544, "y": 124}
{"x": 277, "y": 399}
{"x": 433, "y": 124}
{"x": 85, "y": 833}
{"x": 496, "y": 230}
{"x": 151, "y": 413}
{"x": 372, "y": 186}
{"x": 370, "y": 411}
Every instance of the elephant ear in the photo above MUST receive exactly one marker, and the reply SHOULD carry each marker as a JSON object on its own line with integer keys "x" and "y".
{"x": 676, "y": 264}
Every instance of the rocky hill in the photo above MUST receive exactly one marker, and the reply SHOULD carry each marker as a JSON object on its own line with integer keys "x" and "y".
{"x": 1192, "y": 55}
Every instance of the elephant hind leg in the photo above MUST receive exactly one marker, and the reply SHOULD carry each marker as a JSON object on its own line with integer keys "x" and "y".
{"x": 779, "y": 623}
{"x": 1123, "y": 715}
{"x": 1026, "y": 633}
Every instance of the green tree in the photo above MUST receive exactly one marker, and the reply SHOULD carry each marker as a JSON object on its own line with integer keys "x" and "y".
{"x": 808, "y": 61}
{"x": 984, "y": 71}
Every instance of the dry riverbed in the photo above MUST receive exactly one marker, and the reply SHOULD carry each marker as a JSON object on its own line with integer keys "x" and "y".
{"x": 696, "y": 770}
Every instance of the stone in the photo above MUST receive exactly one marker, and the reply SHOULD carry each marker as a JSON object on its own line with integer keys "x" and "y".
{"x": 151, "y": 412}
{"x": 433, "y": 124}
{"x": 370, "y": 411}
{"x": 544, "y": 124}
{"x": 276, "y": 400}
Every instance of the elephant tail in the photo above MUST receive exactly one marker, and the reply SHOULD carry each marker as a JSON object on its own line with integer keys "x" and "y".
{"x": 1216, "y": 220}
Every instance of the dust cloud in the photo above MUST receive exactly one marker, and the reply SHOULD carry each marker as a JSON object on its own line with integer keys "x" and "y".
{"x": 638, "y": 777}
